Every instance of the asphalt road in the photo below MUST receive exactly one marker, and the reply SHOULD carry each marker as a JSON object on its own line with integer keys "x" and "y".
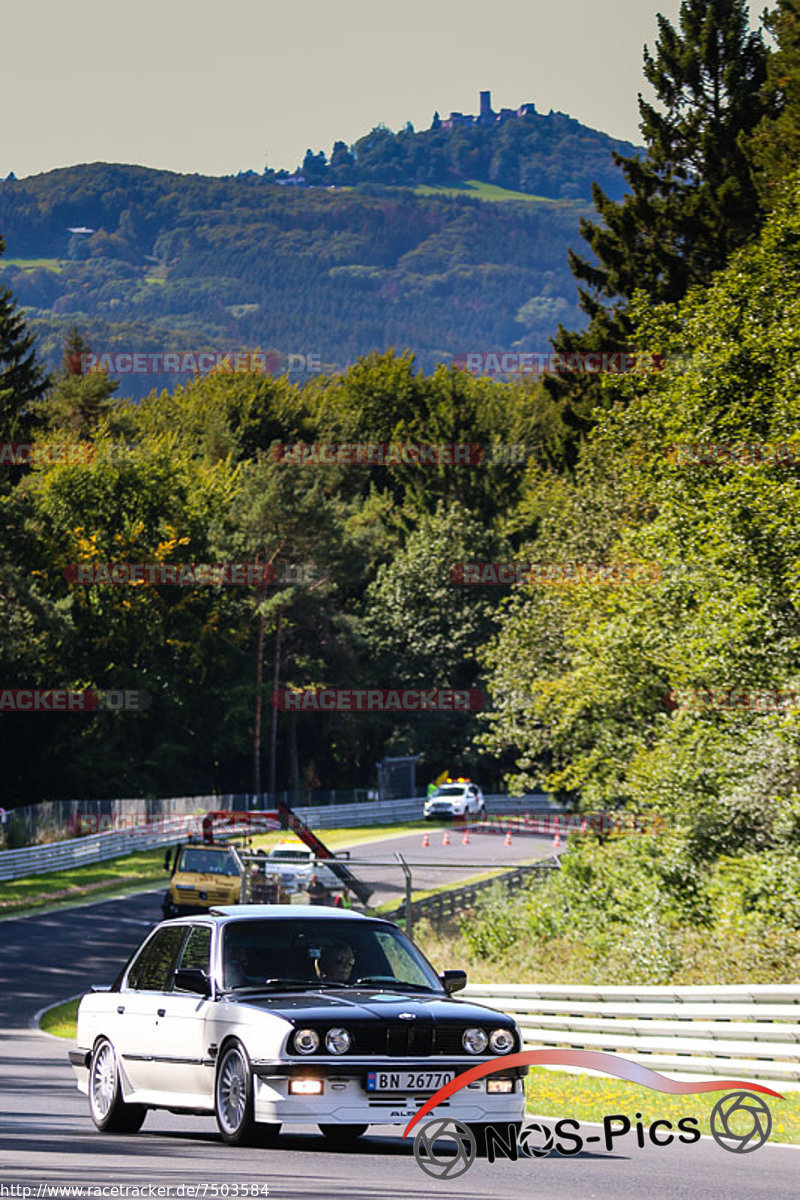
{"x": 46, "y": 1137}
{"x": 439, "y": 864}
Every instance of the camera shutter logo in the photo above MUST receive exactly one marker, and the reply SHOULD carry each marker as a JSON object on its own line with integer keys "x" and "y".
{"x": 450, "y": 1165}
{"x": 751, "y": 1111}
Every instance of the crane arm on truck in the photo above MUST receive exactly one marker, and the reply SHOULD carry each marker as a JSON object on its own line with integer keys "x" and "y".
{"x": 284, "y": 818}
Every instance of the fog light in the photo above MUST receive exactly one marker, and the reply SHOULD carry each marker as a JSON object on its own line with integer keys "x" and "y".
{"x": 500, "y": 1085}
{"x": 305, "y": 1087}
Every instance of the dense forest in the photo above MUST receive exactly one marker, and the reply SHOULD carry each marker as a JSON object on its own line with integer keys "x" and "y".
{"x": 644, "y": 649}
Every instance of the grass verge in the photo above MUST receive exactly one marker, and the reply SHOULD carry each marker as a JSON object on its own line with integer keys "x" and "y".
{"x": 61, "y": 1020}
{"x": 590, "y": 1098}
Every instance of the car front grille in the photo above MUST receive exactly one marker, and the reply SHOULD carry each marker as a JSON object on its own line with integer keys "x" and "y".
{"x": 401, "y": 1039}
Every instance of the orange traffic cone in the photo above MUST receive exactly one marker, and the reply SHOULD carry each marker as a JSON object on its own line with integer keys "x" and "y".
{"x": 426, "y": 841}
{"x": 508, "y": 838}
{"x": 465, "y": 839}
{"x": 557, "y": 842}
{"x": 446, "y": 838}
{"x": 583, "y": 825}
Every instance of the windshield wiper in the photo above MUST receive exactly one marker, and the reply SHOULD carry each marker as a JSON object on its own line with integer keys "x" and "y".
{"x": 269, "y": 984}
{"x": 390, "y": 984}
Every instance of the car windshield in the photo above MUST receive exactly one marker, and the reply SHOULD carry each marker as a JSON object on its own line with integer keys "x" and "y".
{"x": 208, "y": 862}
{"x": 450, "y": 791}
{"x": 310, "y": 953}
{"x": 290, "y": 854}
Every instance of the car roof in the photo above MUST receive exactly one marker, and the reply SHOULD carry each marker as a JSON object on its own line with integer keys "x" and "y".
{"x": 250, "y": 912}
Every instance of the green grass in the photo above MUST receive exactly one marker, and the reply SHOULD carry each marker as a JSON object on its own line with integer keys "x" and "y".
{"x": 143, "y": 870}
{"x": 131, "y": 872}
{"x": 31, "y": 264}
{"x": 61, "y": 1020}
{"x": 591, "y": 1097}
{"x": 479, "y": 190}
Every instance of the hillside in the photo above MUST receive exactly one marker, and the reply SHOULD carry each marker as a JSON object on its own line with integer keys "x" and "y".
{"x": 149, "y": 260}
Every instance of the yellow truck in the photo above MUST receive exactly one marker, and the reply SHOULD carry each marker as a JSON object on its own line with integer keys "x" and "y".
{"x": 202, "y": 876}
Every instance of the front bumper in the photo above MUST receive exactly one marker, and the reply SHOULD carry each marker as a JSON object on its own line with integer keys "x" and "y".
{"x": 345, "y": 1100}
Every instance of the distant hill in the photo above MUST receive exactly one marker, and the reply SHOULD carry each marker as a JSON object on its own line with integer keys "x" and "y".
{"x": 553, "y": 156}
{"x": 149, "y": 260}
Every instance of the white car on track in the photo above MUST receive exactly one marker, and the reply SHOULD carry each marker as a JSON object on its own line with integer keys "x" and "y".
{"x": 455, "y": 798}
{"x": 262, "y": 1015}
{"x": 296, "y": 863}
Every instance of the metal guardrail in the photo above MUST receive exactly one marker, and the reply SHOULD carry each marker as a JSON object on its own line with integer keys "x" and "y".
{"x": 167, "y": 831}
{"x": 748, "y": 1031}
{"x": 453, "y": 901}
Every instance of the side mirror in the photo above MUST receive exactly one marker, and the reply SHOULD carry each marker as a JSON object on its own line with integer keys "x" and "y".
{"x": 192, "y": 979}
{"x": 453, "y": 981}
{"x": 167, "y": 858}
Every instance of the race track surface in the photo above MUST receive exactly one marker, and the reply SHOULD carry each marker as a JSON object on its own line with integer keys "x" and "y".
{"x": 47, "y": 1141}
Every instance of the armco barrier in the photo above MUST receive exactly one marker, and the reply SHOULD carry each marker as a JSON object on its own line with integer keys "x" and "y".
{"x": 453, "y": 901}
{"x": 81, "y": 851}
{"x": 747, "y": 1031}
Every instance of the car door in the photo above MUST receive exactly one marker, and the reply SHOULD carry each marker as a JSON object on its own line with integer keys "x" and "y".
{"x": 143, "y": 994}
{"x": 183, "y": 1066}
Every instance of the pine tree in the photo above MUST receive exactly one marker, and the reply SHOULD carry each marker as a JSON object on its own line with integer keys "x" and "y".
{"x": 78, "y": 402}
{"x": 776, "y": 143}
{"x": 22, "y": 382}
{"x": 693, "y": 197}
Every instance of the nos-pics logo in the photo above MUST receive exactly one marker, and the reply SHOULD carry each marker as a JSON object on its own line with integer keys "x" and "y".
{"x": 446, "y": 1148}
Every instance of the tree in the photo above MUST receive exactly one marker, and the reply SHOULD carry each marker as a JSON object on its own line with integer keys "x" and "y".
{"x": 78, "y": 402}
{"x": 776, "y": 142}
{"x": 22, "y": 382}
{"x": 693, "y": 197}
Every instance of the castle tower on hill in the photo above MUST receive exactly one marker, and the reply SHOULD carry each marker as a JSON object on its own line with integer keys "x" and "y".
{"x": 486, "y": 116}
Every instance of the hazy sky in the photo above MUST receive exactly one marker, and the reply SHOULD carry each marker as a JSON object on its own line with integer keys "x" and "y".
{"x": 218, "y": 87}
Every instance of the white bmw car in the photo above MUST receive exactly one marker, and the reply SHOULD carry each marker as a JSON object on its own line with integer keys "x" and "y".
{"x": 261, "y": 1015}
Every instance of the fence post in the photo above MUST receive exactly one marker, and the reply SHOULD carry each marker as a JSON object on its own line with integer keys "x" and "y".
{"x": 409, "y": 914}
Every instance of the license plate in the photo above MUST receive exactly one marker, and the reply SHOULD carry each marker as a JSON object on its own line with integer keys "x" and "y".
{"x": 407, "y": 1081}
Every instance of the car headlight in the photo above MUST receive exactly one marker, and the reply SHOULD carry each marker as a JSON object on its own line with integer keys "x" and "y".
{"x": 306, "y": 1041}
{"x": 337, "y": 1041}
{"x": 501, "y": 1041}
{"x": 474, "y": 1040}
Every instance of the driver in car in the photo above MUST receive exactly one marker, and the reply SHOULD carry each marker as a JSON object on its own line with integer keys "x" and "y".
{"x": 335, "y": 962}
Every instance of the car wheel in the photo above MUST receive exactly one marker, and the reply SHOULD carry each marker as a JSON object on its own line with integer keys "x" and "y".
{"x": 108, "y": 1110}
{"x": 233, "y": 1096}
{"x": 343, "y": 1133}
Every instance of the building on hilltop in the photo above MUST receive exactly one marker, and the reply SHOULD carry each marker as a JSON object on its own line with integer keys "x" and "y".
{"x": 486, "y": 114}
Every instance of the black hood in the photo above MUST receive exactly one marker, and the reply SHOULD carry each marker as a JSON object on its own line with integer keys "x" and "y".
{"x": 364, "y": 1004}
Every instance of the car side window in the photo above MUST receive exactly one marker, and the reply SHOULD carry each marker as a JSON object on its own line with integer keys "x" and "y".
{"x": 152, "y": 970}
{"x": 197, "y": 949}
